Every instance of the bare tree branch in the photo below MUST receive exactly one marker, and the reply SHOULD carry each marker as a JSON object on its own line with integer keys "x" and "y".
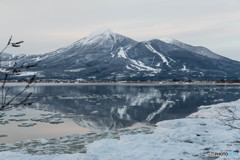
{"x": 228, "y": 117}
{"x": 11, "y": 71}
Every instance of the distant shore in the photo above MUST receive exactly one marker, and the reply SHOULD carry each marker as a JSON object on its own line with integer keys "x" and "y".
{"x": 127, "y": 83}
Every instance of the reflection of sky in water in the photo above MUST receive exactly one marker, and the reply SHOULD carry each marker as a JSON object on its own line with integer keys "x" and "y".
{"x": 104, "y": 107}
{"x": 40, "y": 130}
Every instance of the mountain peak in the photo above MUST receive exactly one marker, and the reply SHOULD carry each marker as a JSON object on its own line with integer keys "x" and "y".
{"x": 100, "y": 31}
{"x": 168, "y": 40}
{"x": 98, "y": 35}
{"x": 196, "y": 49}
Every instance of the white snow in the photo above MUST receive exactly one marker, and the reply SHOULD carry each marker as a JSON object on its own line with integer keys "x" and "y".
{"x": 171, "y": 59}
{"x": 103, "y": 30}
{"x": 3, "y": 70}
{"x": 75, "y": 70}
{"x": 167, "y": 39}
{"x": 185, "y": 68}
{"x": 112, "y": 55}
{"x": 129, "y": 68}
{"x": 190, "y": 138}
{"x": 93, "y": 77}
{"x": 122, "y": 54}
{"x": 97, "y": 35}
{"x": 164, "y": 59}
{"x": 40, "y": 58}
{"x": 27, "y": 73}
{"x": 142, "y": 67}
{"x": 80, "y": 79}
{"x": 37, "y": 59}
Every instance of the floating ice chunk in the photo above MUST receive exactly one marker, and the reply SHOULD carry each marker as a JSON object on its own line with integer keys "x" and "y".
{"x": 27, "y": 124}
{"x": 17, "y": 120}
{"x": 55, "y": 121}
{"x": 3, "y": 135}
{"x": 51, "y": 118}
{"x": 42, "y": 118}
{"x": 17, "y": 115}
{"x": 2, "y": 121}
{"x": 2, "y": 114}
{"x": 69, "y": 115}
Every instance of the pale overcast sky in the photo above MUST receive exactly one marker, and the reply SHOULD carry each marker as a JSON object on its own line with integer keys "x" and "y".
{"x": 46, "y": 25}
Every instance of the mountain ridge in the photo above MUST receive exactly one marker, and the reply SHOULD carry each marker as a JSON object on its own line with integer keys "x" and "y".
{"x": 108, "y": 56}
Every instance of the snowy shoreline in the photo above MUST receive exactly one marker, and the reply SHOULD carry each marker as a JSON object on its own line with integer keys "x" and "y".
{"x": 193, "y": 137}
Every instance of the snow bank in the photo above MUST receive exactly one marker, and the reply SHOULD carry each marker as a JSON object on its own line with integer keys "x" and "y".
{"x": 193, "y": 137}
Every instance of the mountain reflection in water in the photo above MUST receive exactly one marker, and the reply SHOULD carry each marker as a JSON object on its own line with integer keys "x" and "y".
{"x": 108, "y": 107}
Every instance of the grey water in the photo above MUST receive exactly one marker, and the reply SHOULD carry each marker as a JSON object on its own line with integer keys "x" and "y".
{"x": 113, "y": 106}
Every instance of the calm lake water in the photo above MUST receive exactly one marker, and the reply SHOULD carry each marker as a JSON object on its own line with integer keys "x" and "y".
{"x": 107, "y": 106}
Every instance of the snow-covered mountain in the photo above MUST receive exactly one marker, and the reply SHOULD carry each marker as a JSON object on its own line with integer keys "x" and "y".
{"x": 196, "y": 49}
{"x": 105, "y": 55}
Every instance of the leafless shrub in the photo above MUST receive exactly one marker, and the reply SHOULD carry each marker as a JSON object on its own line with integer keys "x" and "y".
{"x": 10, "y": 43}
{"x": 13, "y": 101}
{"x": 228, "y": 116}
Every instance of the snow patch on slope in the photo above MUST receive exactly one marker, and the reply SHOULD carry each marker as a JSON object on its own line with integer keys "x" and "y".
{"x": 142, "y": 67}
{"x": 40, "y": 58}
{"x": 27, "y": 73}
{"x": 3, "y": 70}
{"x": 75, "y": 70}
{"x": 112, "y": 55}
{"x": 164, "y": 59}
{"x": 185, "y": 68}
{"x": 135, "y": 63}
{"x": 129, "y": 68}
{"x": 122, "y": 53}
{"x": 167, "y": 39}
